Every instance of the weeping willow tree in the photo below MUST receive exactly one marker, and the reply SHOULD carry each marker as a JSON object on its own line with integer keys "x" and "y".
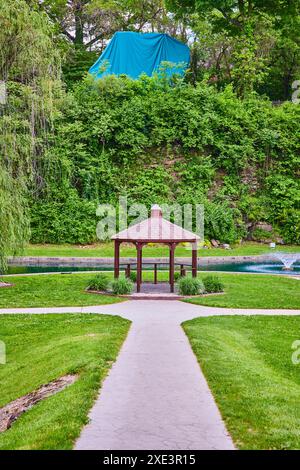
{"x": 30, "y": 86}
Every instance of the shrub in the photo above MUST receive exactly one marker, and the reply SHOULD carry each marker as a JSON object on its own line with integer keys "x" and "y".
{"x": 63, "y": 218}
{"x": 261, "y": 235}
{"x": 99, "y": 282}
{"x": 221, "y": 222}
{"x": 190, "y": 286}
{"x": 133, "y": 276}
{"x": 177, "y": 276}
{"x": 122, "y": 286}
{"x": 213, "y": 284}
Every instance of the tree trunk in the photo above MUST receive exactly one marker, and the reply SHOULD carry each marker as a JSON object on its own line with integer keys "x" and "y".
{"x": 78, "y": 15}
{"x": 241, "y": 7}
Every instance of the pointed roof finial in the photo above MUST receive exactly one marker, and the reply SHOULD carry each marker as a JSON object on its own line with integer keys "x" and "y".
{"x": 156, "y": 211}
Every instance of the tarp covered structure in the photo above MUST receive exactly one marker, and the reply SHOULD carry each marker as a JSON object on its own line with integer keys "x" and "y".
{"x": 136, "y": 53}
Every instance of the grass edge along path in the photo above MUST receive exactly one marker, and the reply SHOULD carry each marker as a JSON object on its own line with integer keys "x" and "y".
{"x": 41, "y": 348}
{"x": 248, "y": 366}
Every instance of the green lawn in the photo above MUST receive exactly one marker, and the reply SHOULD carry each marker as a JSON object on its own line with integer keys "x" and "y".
{"x": 247, "y": 363}
{"x": 106, "y": 250}
{"x": 41, "y": 348}
{"x": 63, "y": 290}
{"x": 53, "y": 290}
{"x": 254, "y": 291}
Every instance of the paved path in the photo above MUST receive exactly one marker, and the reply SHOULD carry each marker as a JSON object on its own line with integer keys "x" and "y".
{"x": 155, "y": 396}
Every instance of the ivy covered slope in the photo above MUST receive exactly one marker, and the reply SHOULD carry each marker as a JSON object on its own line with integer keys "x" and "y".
{"x": 160, "y": 142}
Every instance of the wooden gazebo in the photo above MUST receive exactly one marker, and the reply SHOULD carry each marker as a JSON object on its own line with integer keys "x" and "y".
{"x": 155, "y": 229}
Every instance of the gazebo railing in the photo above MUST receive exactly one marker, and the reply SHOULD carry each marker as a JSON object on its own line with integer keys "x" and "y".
{"x": 129, "y": 266}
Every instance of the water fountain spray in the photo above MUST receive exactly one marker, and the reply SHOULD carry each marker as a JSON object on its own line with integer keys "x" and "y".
{"x": 287, "y": 259}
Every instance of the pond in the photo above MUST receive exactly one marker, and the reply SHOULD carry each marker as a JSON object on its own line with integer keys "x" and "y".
{"x": 249, "y": 267}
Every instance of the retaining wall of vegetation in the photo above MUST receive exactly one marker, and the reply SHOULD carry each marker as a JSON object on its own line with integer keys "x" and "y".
{"x": 171, "y": 143}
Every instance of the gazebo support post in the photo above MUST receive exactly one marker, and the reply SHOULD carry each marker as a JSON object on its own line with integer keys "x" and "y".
{"x": 139, "y": 248}
{"x": 182, "y": 270}
{"x": 117, "y": 259}
{"x": 194, "y": 260}
{"x": 155, "y": 273}
{"x": 128, "y": 271}
{"x": 171, "y": 266}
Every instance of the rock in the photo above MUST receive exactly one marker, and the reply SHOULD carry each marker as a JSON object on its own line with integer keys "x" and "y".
{"x": 226, "y": 246}
{"x": 214, "y": 243}
{"x": 264, "y": 226}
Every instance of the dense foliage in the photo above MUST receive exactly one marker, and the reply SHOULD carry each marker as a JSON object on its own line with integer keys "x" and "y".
{"x": 122, "y": 286}
{"x": 214, "y": 138}
{"x": 155, "y": 142}
{"x": 190, "y": 286}
{"x": 29, "y": 68}
{"x": 99, "y": 282}
{"x": 252, "y": 44}
{"x": 212, "y": 284}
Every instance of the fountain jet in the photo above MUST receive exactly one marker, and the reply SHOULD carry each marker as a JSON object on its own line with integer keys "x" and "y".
{"x": 287, "y": 259}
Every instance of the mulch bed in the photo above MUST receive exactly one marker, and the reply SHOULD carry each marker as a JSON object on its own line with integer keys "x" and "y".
{"x": 11, "y": 412}
{"x": 140, "y": 296}
{"x": 102, "y": 292}
{"x": 5, "y": 284}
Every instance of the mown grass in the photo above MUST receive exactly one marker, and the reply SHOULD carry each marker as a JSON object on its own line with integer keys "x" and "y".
{"x": 41, "y": 348}
{"x": 247, "y": 363}
{"x": 107, "y": 250}
{"x": 63, "y": 290}
{"x": 254, "y": 291}
{"x": 53, "y": 290}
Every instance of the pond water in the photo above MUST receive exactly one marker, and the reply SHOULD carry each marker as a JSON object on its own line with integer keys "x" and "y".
{"x": 269, "y": 268}
{"x": 263, "y": 268}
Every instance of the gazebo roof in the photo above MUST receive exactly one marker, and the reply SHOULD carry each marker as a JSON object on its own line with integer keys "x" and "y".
{"x": 156, "y": 229}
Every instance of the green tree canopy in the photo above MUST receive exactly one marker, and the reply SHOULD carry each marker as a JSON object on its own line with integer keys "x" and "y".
{"x": 88, "y": 23}
{"x": 253, "y": 44}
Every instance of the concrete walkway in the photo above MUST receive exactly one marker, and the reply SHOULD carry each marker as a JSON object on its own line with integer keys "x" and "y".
{"x": 155, "y": 396}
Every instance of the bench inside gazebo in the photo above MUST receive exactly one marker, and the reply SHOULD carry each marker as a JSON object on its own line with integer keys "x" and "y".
{"x": 155, "y": 229}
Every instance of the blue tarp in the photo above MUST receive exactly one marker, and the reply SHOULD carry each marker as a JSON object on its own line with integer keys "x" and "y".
{"x": 135, "y": 53}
